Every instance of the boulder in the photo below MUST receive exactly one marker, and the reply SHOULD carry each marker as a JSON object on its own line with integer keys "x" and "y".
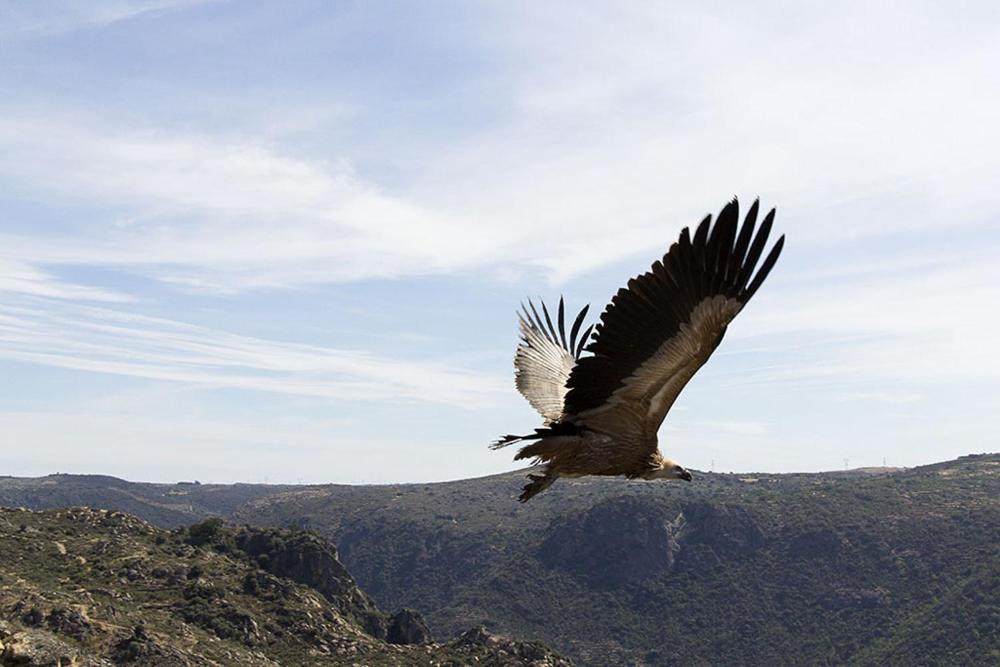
{"x": 407, "y": 627}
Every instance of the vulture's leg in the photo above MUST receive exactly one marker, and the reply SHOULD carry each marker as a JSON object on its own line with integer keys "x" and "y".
{"x": 538, "y": 484}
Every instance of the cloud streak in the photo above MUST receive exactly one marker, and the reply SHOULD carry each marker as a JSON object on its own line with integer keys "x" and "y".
{"x": 197, "y": 211}
{"x": 624, "y": 129}
{"x": 23, "y": 278}
{"x": 109, "y": 341}
{"x": 34, "y": 19}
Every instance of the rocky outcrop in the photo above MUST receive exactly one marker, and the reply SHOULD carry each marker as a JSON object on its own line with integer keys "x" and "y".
{"x": 204, "y": 595}
{"x": 311, "y": 561}
{"x": 407, "y": 627}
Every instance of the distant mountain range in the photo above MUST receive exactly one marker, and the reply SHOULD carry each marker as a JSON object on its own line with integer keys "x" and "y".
{"x": 868, "y": 567}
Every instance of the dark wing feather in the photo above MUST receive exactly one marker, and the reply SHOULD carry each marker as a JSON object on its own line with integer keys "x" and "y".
{"x": 544, "y": 358}
{"x": 656, "y": 333}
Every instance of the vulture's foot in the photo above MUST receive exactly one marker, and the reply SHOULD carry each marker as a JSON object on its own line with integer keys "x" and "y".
{"x": 537, "y": 484}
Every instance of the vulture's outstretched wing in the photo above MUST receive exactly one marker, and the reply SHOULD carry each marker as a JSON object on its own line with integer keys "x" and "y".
{"x": 656, "y": 333}
{"x": 545, "y": 358}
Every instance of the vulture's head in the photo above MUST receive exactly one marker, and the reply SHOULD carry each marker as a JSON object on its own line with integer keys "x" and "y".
{"x": 669, "y": 470}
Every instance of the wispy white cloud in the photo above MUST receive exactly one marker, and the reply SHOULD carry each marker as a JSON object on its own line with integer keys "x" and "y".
{"x": 630, "y": 122}
{"x": 19, "y": 277}
{"x": 214, "y": 214}
{"x": 109, "y": 341}
{"x": 57, "y": 16}
{"x": 624, "y": 128}
{"x": 925, "y": 324}
{"x": 894, "y": 398}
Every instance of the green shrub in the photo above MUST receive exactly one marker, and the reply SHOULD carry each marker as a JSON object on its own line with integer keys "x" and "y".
{"x": 204, "y": 532}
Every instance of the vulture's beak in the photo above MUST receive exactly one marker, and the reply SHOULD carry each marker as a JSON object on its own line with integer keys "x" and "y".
{"x": 686, "y": 476}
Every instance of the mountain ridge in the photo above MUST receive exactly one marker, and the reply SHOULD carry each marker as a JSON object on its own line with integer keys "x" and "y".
{"x": 847, "y": 566}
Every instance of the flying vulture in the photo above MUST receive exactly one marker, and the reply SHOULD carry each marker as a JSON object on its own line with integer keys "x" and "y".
{"x": 602, "y": 410}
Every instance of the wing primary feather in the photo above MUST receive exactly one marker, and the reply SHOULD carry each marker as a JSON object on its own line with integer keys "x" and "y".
{"x": 576, "y": 329}
{"x": 698, "y": 253}
{"x": 583, "y": 341}
{"x": 712, "y": 244}
{"x": 756, "y": 248}
{"x": 525, "y": 316}
{"x": 714, "y": 237}
{"x": 740, "y": 250}
{"x": 548, "y": 321}
{"x": 765, "y": 268}
{"x": 538, "y": 320}
{"x": 725, "y": 226}
{"x": 701, "y": 233}
{"x": 562, "y": 323}
{"x": 683, "y": 265}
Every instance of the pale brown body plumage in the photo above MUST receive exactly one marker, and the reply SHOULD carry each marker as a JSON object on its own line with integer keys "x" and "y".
{"x": 602, "y": 412}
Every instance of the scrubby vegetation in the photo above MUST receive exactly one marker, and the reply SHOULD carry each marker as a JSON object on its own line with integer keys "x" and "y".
{"x": 877, "y": 567}
{"x": 83, "y": 586}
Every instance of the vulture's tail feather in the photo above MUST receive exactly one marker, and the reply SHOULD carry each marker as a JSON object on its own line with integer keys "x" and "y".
{"x": 545, "y": 448}
{"x": 510, "y": 440}
{"x": 559, "y": 428}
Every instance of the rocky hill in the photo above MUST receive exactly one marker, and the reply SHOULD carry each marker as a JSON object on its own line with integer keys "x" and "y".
{"x": 864, "y": 567}
{"x": 91, "y": 587}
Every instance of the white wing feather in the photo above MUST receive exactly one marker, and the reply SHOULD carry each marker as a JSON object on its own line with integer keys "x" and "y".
{"x": 543, "y": 367}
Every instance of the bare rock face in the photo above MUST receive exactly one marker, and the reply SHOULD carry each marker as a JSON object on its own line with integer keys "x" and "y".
{"x": 303, "y": 558}
{"x": 630, "y": 539}
{"x": 312, "y": 561}
{"x": 408, "y": 627}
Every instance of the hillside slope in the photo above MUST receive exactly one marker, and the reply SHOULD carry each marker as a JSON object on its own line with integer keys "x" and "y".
{"x": 865, "y": 567}
{"x": 92, "y": 587}
{"x": 762, "y": 569}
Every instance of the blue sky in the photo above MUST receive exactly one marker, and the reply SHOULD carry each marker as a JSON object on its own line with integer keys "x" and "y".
{"x": 248, "y": 241}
